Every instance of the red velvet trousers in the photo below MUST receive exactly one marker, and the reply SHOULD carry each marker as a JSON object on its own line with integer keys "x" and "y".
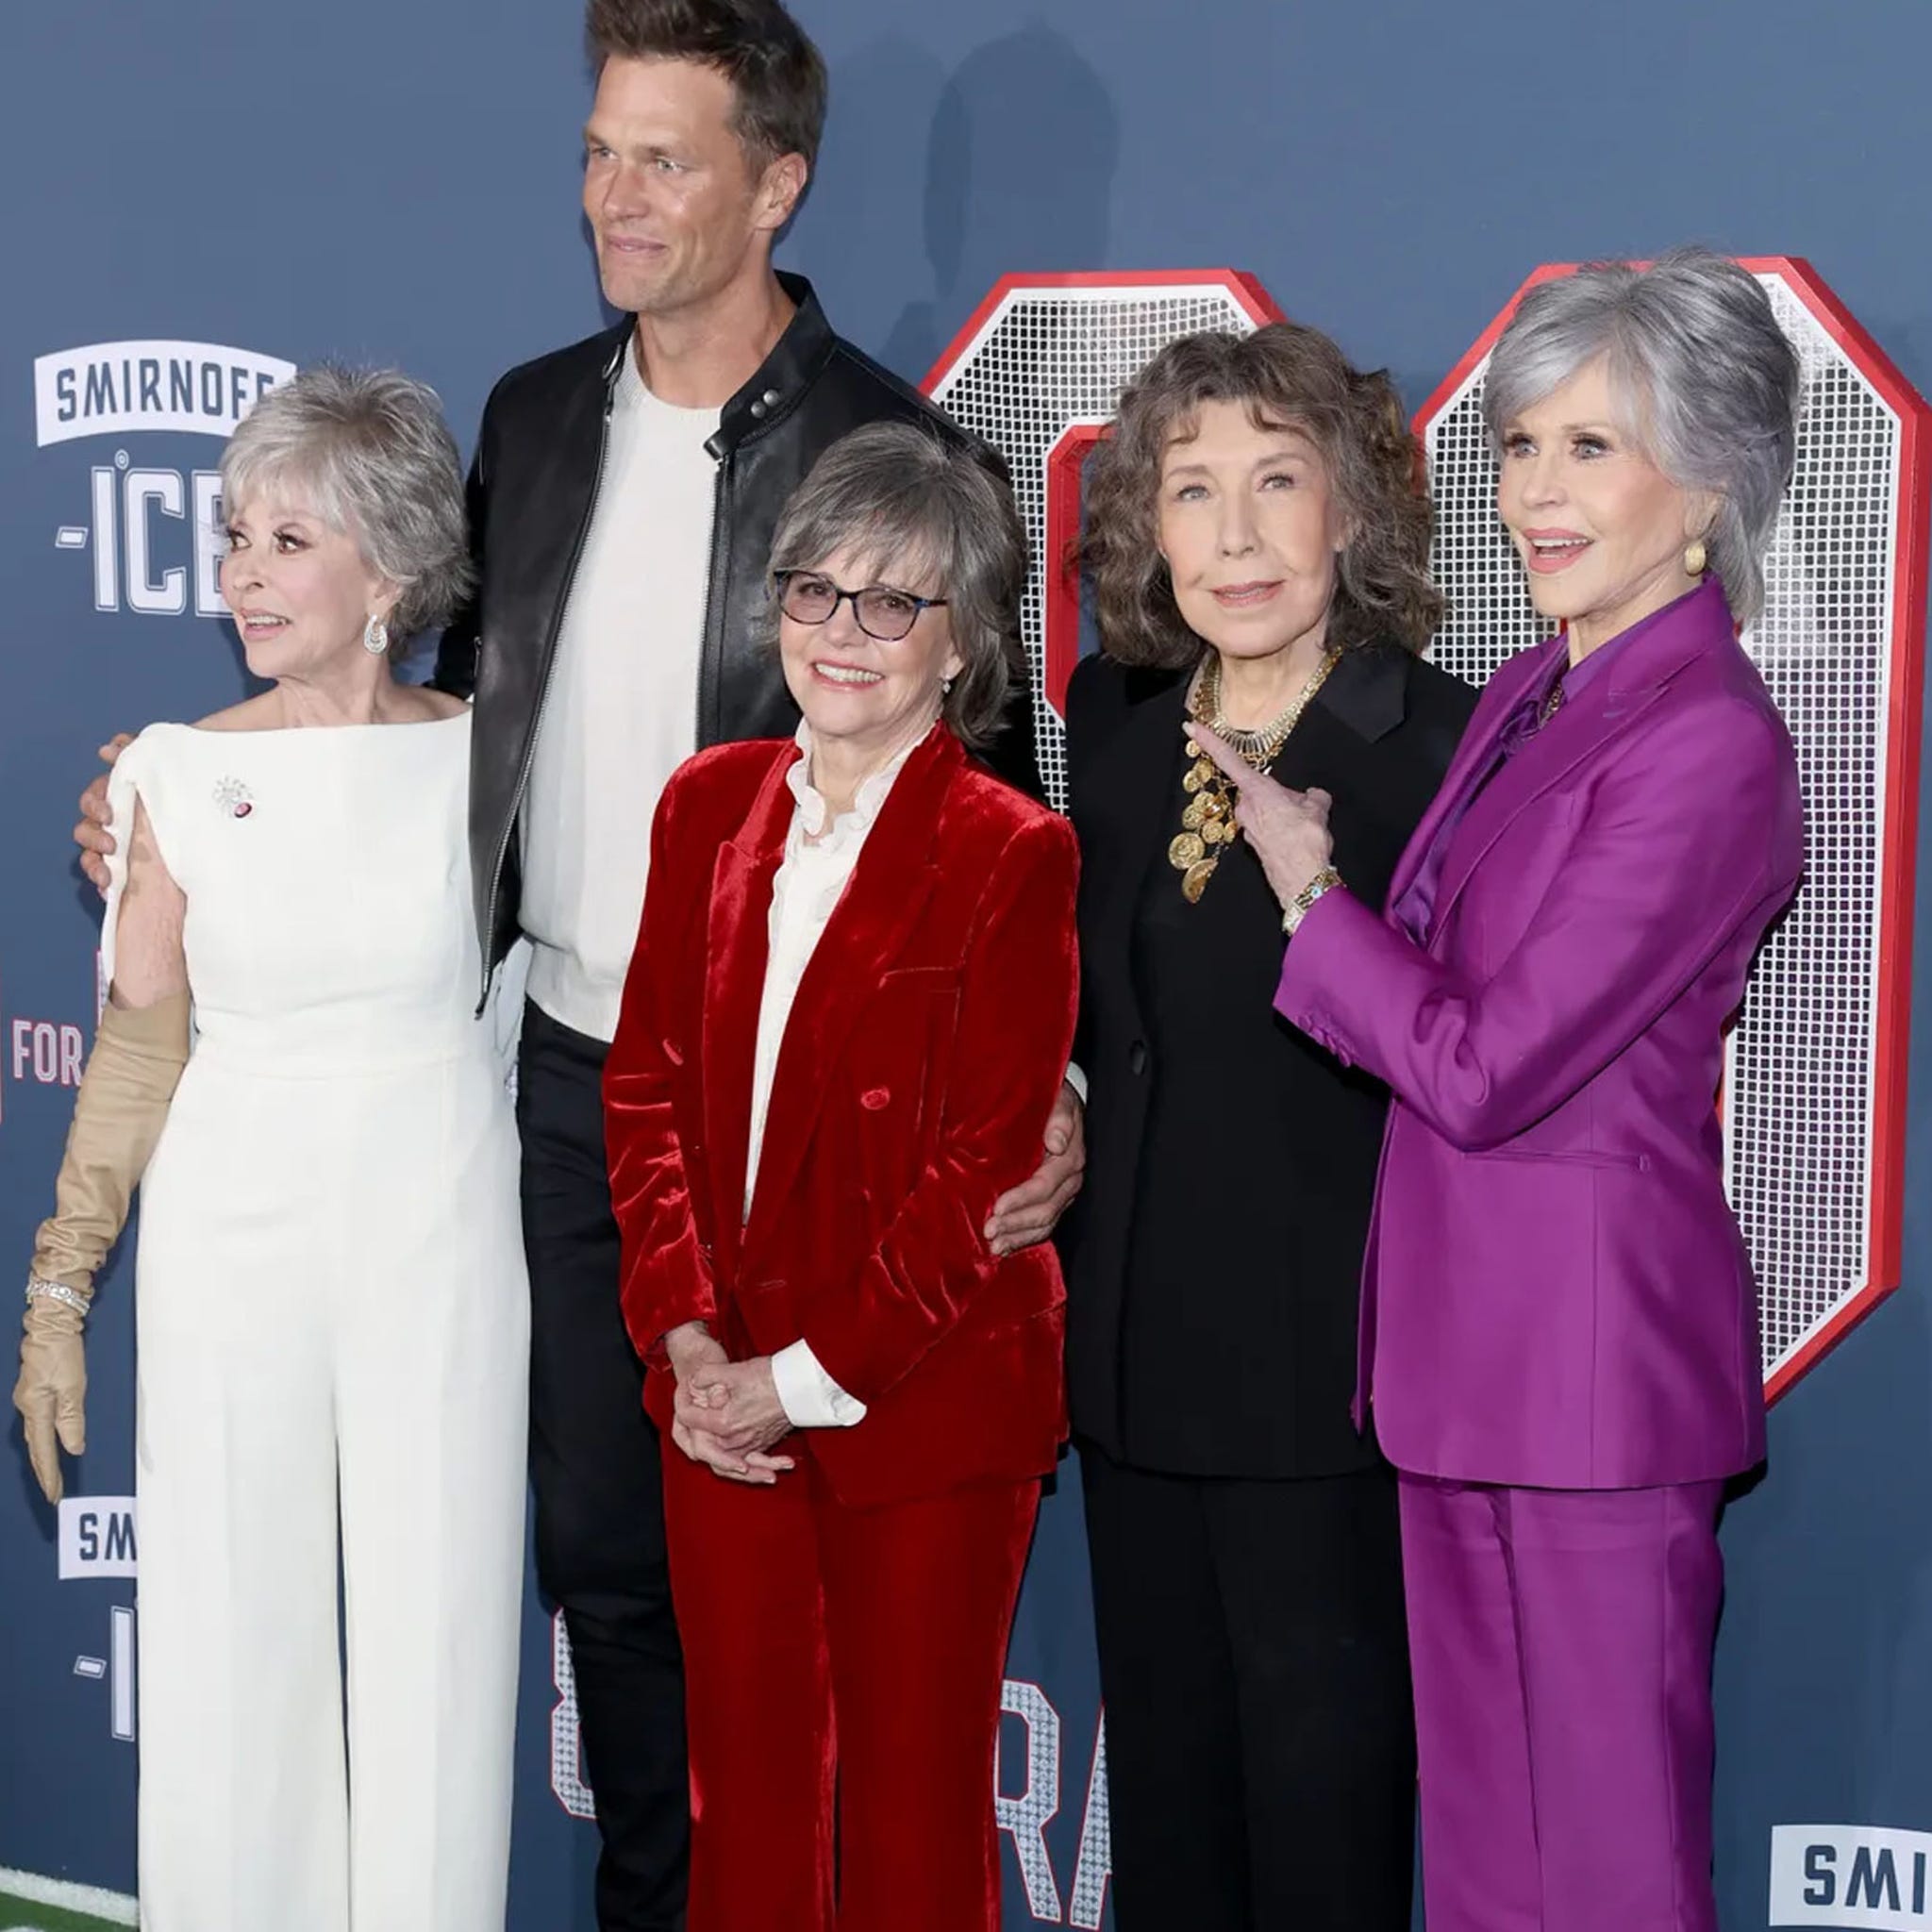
{"x": 842, "y": 1673}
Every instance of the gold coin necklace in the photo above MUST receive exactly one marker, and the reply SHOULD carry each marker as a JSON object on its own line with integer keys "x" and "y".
{"x": 1208, "y": 822}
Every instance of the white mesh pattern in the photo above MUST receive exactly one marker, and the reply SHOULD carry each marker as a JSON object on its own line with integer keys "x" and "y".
{"x": 1046, "y": 360}
{"x": 1803, "y": 1061}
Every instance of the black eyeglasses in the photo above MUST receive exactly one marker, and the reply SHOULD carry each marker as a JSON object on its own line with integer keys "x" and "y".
{"x": 806, "y": 596}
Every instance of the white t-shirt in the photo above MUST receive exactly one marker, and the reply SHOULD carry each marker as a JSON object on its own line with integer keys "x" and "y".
{"x": 621, "y": 712}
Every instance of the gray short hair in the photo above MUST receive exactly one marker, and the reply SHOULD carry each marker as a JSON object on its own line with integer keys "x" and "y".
{"x": 369, "y": 451}
{"x": 898, "y": 491}
{"x": 1697, "y": 360}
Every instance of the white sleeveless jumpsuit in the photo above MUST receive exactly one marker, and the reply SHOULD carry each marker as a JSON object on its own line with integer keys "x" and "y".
{"x": 332, "y": 1337}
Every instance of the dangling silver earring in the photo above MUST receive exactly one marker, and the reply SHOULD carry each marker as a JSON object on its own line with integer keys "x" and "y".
{"x": 945, "y": 688}
{"x": 376, "y": 637}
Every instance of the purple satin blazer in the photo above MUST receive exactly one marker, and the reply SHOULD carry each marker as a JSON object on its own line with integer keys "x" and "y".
{"x": 1556, "y": 1292}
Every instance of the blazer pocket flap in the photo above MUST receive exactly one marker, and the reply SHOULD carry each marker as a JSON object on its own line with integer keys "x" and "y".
{"x": 918, "y": 979}
{"x": 1567, "y": 1157}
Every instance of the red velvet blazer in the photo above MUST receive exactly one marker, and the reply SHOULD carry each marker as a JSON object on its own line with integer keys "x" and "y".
{"x": 922, "y": 1058}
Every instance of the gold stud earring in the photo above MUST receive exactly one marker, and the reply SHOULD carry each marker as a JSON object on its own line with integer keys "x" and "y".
{"x": 1694, "y": 558}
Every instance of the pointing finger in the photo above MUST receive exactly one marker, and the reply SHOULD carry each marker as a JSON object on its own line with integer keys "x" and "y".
{"x": 1230, "y": 762}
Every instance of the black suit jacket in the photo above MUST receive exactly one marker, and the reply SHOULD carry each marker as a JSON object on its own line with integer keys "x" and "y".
{"x": 1278, "y": 1322}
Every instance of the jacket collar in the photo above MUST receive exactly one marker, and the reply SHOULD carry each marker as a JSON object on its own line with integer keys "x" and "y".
{"x": 1652, "y": 652}
{"x": 1648, "y": 656}
{"x": 1367, "y": 690}
{"x": 780, "y": 381}
{"x": 815, "y": 816}
{"x": 1474, "y": 759}
{"x": 888, "y": 890}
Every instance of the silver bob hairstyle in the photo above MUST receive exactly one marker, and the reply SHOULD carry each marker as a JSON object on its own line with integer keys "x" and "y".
{"x": 1706, "y": 379}
{"x": 904, "y": 499}
{"x": 368, "y": 451}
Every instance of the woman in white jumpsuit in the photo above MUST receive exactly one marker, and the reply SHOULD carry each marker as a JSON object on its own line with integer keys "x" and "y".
{"x": 331, "y": 1305}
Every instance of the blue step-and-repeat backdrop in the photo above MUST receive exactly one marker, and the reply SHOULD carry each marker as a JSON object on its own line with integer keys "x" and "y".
{"x": 225, "y": 192}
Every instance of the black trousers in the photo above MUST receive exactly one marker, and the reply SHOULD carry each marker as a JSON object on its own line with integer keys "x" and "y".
{"x": 599, "y": 1484}
{"x": 1260, "y": 1743}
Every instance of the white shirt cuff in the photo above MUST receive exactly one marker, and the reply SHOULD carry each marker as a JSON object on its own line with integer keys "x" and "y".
{"x": 809, "y": 1397}
{"x": 1076, "y": 1079}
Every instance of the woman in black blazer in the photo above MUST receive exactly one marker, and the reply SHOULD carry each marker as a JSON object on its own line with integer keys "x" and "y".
{"x": 1256, "y": 552}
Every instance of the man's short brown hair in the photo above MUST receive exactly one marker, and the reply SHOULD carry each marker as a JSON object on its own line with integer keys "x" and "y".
{"x": 778, "y": 76}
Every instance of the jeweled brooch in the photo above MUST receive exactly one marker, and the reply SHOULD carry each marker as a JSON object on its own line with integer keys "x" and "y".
{"x": 234, "y": 798}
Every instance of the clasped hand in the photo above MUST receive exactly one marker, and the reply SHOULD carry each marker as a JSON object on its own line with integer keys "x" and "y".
{"x": 726, "y": 1414}
{"x": 1288, "y": 829}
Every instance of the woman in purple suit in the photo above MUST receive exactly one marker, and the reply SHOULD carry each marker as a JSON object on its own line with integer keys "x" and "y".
{"x": 1559, "y": 1329}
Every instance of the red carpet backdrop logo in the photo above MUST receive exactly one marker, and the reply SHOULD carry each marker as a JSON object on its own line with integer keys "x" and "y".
{"x": 1851, "y": 1877}
{"x": 151, "y": 523}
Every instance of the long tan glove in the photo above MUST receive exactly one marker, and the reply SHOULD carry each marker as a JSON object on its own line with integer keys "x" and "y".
{"x": 118, "y": 1116}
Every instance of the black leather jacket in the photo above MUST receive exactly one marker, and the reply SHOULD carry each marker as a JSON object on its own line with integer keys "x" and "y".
{"x": 540, "y": 457}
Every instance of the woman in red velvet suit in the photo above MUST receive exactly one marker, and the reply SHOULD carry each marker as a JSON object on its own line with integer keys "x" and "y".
{"x": 845, "y": 1026}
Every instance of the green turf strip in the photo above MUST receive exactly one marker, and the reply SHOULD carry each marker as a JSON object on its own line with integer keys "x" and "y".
{"x": 20, "y": 1915}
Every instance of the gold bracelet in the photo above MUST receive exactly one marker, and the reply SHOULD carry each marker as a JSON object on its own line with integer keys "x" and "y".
{"x": 1325, "y": 881}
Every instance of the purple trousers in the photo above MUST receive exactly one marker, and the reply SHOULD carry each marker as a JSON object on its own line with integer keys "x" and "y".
{"x": 1561, "y": 1645}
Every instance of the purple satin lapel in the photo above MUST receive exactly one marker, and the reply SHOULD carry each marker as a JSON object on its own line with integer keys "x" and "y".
{"x": 1412, "y": 892}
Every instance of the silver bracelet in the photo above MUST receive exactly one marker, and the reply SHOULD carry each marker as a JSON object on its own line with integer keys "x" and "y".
{"x": 37, "y": 1290}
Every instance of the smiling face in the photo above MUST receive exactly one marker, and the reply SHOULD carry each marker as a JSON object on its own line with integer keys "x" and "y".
{"x": 300, "y": 591}
{"x": 868, "y": 697}
{"x": 1600, "y": 528}
{"x": 1251, "y": 529}
{"x": 677, "y": 208}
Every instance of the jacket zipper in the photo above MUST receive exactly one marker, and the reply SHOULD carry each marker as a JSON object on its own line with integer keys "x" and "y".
{"x": 712, "y": 658}
{"x": 710, "y": 654}
{"x": 516, "y": 803}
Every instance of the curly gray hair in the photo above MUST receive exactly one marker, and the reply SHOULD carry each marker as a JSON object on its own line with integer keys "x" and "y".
{"x": 369, "y": 452}
{"x": 1705, "y": 379}
{"x": 899, "y": 493}
{"x": 1283, "y": 375}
